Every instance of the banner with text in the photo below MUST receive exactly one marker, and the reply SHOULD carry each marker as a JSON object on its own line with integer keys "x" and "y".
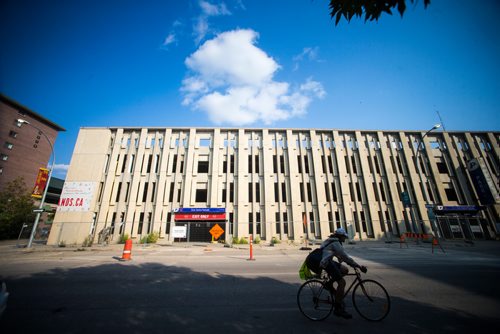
{"x": 40, "y": 183}
{"x": 76, "y": 196}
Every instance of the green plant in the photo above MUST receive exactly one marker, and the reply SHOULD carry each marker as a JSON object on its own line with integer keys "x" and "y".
{"x": 153, "y": 237}
{"x": 243, "y": 241}
{"x": 275, "y": 241}
{"x": 257, "y": 240}
{"x": 88, "y": 241}
{"x": 236, "y": 240}
{"x": 123, "y": 238}
{"x": 144, "y": 240}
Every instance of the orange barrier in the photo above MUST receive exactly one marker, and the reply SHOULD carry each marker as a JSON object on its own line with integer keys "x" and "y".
{"x": 127, "y": 250}
{"x": 435, "y": 242}
{"x": 251, "y": 249}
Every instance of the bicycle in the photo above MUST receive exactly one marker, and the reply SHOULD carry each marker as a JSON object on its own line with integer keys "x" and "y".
{"x": 369, "y": 298}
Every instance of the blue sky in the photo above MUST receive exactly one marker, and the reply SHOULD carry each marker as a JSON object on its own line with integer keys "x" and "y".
{"x": 249, "y": 63}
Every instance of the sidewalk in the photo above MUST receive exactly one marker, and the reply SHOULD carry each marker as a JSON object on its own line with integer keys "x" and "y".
{"x": 490, "y": 247}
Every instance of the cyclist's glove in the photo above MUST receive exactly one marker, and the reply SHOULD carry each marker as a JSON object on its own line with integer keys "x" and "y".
{"x": 363, "y": 269}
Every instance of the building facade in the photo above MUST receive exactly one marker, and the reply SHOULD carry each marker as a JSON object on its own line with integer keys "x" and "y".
{"x": 289, "y": 184}
{"x": 23, "y": 150}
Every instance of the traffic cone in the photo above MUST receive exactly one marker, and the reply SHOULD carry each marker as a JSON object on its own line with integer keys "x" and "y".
{"x": 127, "y": 250}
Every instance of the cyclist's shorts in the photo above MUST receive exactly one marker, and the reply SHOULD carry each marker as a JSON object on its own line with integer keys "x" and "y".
{"x": 333, "y": 270}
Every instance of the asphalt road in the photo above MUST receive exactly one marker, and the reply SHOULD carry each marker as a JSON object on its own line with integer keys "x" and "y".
{"x": 209, "y": 288}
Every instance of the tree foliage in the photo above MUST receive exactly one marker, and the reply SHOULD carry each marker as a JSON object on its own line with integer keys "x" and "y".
{"x": 16, "y": 208}
{"x": 371, "y": 9}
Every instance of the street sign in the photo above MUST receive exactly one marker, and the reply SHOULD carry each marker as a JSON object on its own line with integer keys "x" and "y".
{"x": 216, "y": 231}
{"x": 199, "y": 210}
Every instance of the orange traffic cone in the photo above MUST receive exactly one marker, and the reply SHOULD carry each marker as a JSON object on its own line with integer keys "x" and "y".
{"x": 127, "y": 250}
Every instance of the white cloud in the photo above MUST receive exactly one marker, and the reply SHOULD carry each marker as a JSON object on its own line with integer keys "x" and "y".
{"x": 307, "y": 53}
{"x": 232, "y": 80}
{"x": 61, "y": 167}
{"x": 214, "y": 10}
{"x": 169, "y": 39}
{"x": 201, "y": 26}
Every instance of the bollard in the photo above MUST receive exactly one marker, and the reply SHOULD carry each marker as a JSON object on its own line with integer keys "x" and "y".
{"x": 251, "y": 249}
{"x": 127, "y": 250}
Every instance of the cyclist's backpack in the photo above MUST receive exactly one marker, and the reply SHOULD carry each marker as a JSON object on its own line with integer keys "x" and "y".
{"x": 313, "y": 260}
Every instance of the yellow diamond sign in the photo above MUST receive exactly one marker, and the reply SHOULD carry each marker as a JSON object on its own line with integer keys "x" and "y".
{"x": 216, "y": 231}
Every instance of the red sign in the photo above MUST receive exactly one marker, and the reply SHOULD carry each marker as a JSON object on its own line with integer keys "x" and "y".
{"x": 40, "y": 183}
{"x": 197, "y": 216}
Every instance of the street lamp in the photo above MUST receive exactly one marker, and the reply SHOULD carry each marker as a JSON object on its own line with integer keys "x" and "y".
{"x": 40, "y": 209}
{"x": 424, "y": 190}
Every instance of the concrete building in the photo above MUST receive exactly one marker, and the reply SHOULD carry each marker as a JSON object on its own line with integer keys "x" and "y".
{"x": 285, "y": 183}
{"x": 23, "y": 149}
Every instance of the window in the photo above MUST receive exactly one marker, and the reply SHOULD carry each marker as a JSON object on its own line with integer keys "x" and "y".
{"x": 278, "y": 225}
{"x": 451, "y": 194}
{"x": 434, "y": 144}
{"x": 257, "y": 192}
{"x": 201, "y": 195}
{"x": 250, "y": 192}
{"x": 203, "y": 166}
{"x": 224, "y": 192}
{"x": 250, "y": 164}
{"x": 145, "y": 193}
{"x": 124, "y": 164}
{"x": 442, "y": 168}
{"x": 205, "y": 142}
{"x": 309, "y": 192}
{"x": 301, "y": 191}
{"x": 8, "y": 145}
{"x": 171, "y": 193}
{"x": 275, "y": 164}
{"x": 231, "y": 192}
{"x": 306, "y": 165}
{"x": 257, "y": 164}
{"x": 334, "y": 192}
{"x": 118, "y": 192}
{"x": 282, "y": 164}
{"x": 276, "y": 192}
{"x": 346, "y": 159}
{"x": 299, "y": 163}
{"x": 283, "y": 192}
{"x": 327, "y": 193}
{"x": 174, "y": 164}
{"x": 4, "y": 157}
{"x": 224, "y": 166}
{"x": 232, "y": 164}
{"x": 13, "y": 134}
{"x": 354, "y": 169}
{"x": 250, "y": 223}
{"x": 150, "y": 160}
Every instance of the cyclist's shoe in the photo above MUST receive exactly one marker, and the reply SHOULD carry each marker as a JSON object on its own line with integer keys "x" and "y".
{"x": 341, "y": 312}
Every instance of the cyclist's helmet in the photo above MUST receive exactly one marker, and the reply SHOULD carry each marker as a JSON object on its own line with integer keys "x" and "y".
{"x": 341, "y": 231}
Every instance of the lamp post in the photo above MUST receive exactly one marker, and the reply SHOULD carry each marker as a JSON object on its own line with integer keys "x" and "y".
{"x": 424, "y": 190}
{"x": 40, "y": 208}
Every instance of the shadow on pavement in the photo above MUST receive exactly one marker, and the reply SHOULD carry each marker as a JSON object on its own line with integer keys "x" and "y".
{"x": 154, "y": 298}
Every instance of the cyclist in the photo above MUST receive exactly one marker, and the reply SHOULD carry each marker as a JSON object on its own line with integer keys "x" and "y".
{"x": 333, "y": 247}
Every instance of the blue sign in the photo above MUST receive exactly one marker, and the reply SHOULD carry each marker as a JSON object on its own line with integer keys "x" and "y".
{"x": 457, "y": 209}
{"x": 198, "y": 210}
{"x": 480, "y": 182}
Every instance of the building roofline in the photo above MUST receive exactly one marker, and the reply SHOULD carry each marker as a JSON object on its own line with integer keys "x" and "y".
{"x": 33, "y": 114}
{"x": 274, "y": 129}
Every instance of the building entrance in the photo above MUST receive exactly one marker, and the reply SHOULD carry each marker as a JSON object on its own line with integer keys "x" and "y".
{"x": 199, "y": 231}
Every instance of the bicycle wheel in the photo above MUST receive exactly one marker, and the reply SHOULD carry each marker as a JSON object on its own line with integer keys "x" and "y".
{"x": 371, "y": 300}
{"x": 314, "y": 300}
